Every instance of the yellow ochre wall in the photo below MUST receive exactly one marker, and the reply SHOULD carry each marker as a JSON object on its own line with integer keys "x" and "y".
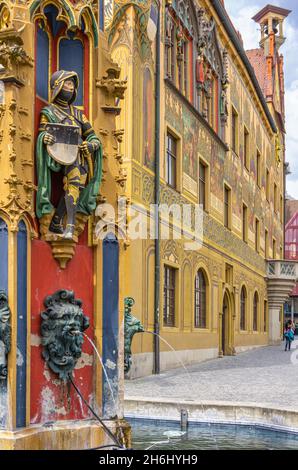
{"x": 220, "y": 245}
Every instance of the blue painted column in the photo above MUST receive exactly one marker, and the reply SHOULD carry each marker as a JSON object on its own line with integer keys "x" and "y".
{"x": 4, "y": 287}
{"x": 4, "y": 256}
{"x": 110, "y": 327}
{"x": 21, "y": 390}
{"x": 101, "y": 15}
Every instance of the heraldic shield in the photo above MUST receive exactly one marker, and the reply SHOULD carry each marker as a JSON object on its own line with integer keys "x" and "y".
{"x": 66, "y": 147}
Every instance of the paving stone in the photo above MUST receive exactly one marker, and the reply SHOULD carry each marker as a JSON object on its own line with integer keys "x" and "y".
{"x": 261, "y": 376}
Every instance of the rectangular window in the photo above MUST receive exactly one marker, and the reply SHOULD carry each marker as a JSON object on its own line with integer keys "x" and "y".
{"x": 227, "y": 207}
{"x": 169, "y": 296}
{"x": 267, "y": 185}
{"x": 258, "y": 165}
{"x": 266, "y": 244}
{"x": 257, "y": 235}
{"x": 202, "y": 184}
{"x": 246, "y": 149}
{"x": 281, "y": 208}
{"x": 171, "y": 161}
{"x": 274, "y": 249}
{"x": 234, "y": 131}
{"x": 281, "y": 253}
{"x": 229, "y": 274}
{"x": 245, "y": 223}
{"x": 275, "y": 198}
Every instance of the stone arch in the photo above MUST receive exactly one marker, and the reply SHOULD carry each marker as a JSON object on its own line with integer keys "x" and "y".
{"x": 244, "y": 323}
{"x": 86, "y": 13}
{"x": 256, "y": 305}
{"x": 226, "y": 331}
{"x": 203, "y": 268}
{"x": 62, "y": 6}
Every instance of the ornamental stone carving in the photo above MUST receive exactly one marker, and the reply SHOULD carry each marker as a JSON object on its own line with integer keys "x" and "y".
{"x": 5, "y": 333}
{"x": 131, "y": 326}
{"x": 62, "y": 327}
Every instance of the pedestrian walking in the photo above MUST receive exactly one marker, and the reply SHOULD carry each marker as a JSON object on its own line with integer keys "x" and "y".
{"x": 289, "y": 335}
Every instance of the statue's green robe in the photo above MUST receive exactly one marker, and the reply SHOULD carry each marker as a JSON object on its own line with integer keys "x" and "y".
{"x": 46, "y": 164}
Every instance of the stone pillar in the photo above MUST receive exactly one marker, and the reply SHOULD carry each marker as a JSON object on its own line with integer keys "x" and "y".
{"x": 282, "y": 277}
{"x": 274, "y": 325}
{"x": 281, "y": 28}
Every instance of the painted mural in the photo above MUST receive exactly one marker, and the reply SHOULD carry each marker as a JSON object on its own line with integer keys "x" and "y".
{"x": 190, "y": 145}
{"x": 148, "y": 119}
{"x": 196, "y": 142}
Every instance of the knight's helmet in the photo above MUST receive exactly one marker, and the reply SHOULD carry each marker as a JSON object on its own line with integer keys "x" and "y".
{"x": 57, "y": 81}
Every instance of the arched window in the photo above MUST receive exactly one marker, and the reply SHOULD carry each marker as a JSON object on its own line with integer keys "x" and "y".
{"x": 71, "y": 57}
{"x": 255, "y": 312}
{"x": 243, "y": 306}
{"x": 42, "y": 62}
{"x": 208, "y": 90}
{"x": 59, "y": 47}
{"x": 179, "y": 47}
{"x": 200, "y": 300}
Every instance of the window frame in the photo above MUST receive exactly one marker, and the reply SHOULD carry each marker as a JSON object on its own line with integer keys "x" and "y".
{"x": 244, "y": 223}
{"x": 256, "y": 308}
{"x": 205, "y": 165}
{"x": 235, "y": 130}
{"x": 171, "y": 289}
{"x": 258, "y": 168}
{"x": 267, "y": 189}
{"x": 200, "y": 322}
{"x": 243, "y": 314}
{"x": 266, "y": 243}
{"x": 174, "y": 157}
{"x": 273, "y": 248}
{"x": 228, "y": 207}
{"x": 281, "y": 208}
{"x": 246, "y": 147}
{"x": 275, "y": 205}
{"x": 257, "y": 234}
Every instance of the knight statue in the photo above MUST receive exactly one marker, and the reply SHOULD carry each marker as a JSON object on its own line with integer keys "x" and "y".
{"x": 67, "y": 143}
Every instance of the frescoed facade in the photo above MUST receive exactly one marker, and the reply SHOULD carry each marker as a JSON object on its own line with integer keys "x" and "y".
{"x": 58, "y": 280}
{"x": 219, "y": 142}
{"x": 172, "y": 124}
{"x": 291, "y": 254}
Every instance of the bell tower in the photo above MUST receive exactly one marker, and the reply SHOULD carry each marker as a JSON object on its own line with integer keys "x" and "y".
{"x": 271, "y": 19}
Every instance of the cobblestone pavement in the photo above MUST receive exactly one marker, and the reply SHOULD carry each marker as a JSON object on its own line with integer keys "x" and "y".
{"x": 265, "y": 376}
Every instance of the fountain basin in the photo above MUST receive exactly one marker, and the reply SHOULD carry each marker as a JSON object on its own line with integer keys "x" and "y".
{"x": 231, "y": 413}
{"x": 156, "y": 435}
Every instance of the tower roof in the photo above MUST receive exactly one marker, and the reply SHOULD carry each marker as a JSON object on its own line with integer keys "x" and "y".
{"x": 271, "y": 9}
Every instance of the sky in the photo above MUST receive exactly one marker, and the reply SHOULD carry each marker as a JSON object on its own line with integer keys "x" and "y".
{"x": 241, "y": 12}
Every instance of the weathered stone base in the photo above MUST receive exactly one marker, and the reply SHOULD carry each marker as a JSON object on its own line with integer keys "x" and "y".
{"x": 142, "y": 364}
{"x": 67, "y": 435}
{"x": 242, "y": 349}
{"x": 245, "y": 414}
